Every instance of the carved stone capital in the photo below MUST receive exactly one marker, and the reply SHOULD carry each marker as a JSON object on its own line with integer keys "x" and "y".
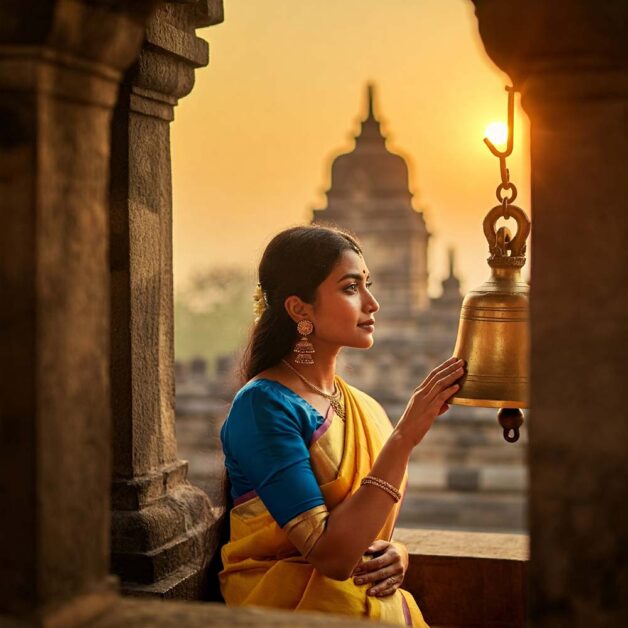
{"x": 86, "y": 32}
{"x": 170, "y": 54}
{"x": 537, "y": 37}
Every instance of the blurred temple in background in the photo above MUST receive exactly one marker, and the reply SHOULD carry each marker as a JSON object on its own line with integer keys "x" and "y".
{"x": 463, "y": 475}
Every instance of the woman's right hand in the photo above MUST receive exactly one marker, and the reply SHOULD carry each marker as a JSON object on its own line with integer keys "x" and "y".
{"x": 429, "y": 400}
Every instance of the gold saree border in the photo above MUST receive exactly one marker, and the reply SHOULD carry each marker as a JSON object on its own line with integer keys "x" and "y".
{"x": 305, "y": 529}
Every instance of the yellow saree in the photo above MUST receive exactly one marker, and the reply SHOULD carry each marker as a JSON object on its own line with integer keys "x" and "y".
{"x": 263, "y": 568}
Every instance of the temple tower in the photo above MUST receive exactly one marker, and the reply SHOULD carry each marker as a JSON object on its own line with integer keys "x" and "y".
{"x": 369, "y": 195}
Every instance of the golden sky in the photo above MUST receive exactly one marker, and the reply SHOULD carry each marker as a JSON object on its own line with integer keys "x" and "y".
{"x": 284, "y": 92}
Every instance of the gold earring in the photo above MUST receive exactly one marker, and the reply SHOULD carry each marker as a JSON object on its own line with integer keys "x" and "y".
{"x": 304, "y": 348}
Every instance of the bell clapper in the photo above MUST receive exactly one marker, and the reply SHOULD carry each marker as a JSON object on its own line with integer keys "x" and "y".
{"x": 511, "y": 419}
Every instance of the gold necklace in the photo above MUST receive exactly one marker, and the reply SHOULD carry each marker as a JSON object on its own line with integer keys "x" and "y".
{"x": 335, "y": 399}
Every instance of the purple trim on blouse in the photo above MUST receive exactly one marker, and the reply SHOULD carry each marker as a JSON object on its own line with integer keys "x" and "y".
{"x": 406, "y": 610}
{"x": 245, "y": 497}
{"x": 323, "y": 427}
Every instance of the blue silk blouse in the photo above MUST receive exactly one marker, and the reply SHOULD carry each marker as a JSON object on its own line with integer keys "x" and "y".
{"x": 265, "y": 439}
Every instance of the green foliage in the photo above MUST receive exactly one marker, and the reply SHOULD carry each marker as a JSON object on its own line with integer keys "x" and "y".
{"x": 213, "y": 314}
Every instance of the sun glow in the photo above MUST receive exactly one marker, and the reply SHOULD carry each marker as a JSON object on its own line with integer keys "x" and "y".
{"x": 497, "y": 132}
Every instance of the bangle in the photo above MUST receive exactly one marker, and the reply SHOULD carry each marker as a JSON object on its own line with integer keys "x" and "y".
{"x": 385, "y": 486}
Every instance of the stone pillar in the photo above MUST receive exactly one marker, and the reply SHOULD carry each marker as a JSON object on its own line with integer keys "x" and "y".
{"x": 569, "y": 59}
{"x": 162, "y": 527}
{"x": 60, "y": 67}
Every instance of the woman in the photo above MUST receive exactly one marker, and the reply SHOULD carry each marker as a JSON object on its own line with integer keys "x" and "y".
{"x": 316, "y": 469}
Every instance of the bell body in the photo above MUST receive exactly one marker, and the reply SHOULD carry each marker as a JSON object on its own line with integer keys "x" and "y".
{"x": 493, "y": 339}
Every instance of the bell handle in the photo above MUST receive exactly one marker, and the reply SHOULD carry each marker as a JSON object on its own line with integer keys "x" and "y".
{"x": 503, "y": 238}
{"x": 518, "y": 243}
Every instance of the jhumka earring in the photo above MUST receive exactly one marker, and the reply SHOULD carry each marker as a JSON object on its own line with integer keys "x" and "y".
{"x": 304, "y": 347}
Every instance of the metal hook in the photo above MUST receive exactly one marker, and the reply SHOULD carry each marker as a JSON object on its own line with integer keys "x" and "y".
{"x": 502, "y": 154}
{"x": 511, "y": 116}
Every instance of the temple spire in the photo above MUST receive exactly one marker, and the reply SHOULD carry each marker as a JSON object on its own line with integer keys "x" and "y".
{"x": 370, "y": 136}
{"x": 370, "y": 99}
{"x": 451, "y": 284}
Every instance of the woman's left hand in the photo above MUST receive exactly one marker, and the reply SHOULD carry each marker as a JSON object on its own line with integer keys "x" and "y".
{"x": 387, "y": 570}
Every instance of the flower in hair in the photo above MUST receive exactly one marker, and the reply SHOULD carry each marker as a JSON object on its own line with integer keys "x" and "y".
{"x": 261, "y": 302}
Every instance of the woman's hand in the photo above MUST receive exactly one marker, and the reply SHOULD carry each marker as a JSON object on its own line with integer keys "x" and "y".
{"x": 387, "y": 570}
{"x": 429, "y": 400}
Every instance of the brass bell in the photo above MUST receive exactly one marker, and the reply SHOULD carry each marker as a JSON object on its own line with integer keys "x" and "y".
{"x": 493, "y": 335}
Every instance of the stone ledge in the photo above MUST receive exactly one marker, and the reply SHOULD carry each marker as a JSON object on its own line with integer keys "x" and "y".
{"x": 445, "y": 543}
{"x": 467, "y": 579}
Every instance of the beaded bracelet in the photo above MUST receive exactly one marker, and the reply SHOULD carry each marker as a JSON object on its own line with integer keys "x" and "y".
{"x": 385, "y": 486}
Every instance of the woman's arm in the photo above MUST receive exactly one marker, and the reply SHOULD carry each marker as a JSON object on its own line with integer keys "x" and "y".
{"x": 354, "y": 523}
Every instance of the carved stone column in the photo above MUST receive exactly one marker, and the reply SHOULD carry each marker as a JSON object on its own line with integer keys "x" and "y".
{"x": 569, "y": 59}
{"x": 162, "y": 527}
{"x": 60, "y": 67}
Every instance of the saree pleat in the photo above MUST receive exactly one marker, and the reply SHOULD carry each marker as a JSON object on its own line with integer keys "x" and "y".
{"x": 263, "y": 568}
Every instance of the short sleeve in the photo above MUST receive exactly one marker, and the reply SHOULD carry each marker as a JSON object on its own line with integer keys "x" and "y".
{"x": 265, "y": 438}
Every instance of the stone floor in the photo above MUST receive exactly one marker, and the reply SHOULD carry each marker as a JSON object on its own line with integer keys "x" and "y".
{"x": 146, "y": 614}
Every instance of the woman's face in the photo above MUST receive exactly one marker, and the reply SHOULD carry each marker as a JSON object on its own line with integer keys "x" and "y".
{"x": 344, "y": 307}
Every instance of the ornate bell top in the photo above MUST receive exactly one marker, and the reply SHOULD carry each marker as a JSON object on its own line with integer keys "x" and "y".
{"x": 506, "y": 251}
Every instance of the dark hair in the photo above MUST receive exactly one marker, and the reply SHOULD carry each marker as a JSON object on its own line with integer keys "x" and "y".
{"x": 295, "y": 262}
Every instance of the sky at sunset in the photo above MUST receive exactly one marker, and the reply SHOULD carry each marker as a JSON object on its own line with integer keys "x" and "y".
{"x": 283, "y": 94}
